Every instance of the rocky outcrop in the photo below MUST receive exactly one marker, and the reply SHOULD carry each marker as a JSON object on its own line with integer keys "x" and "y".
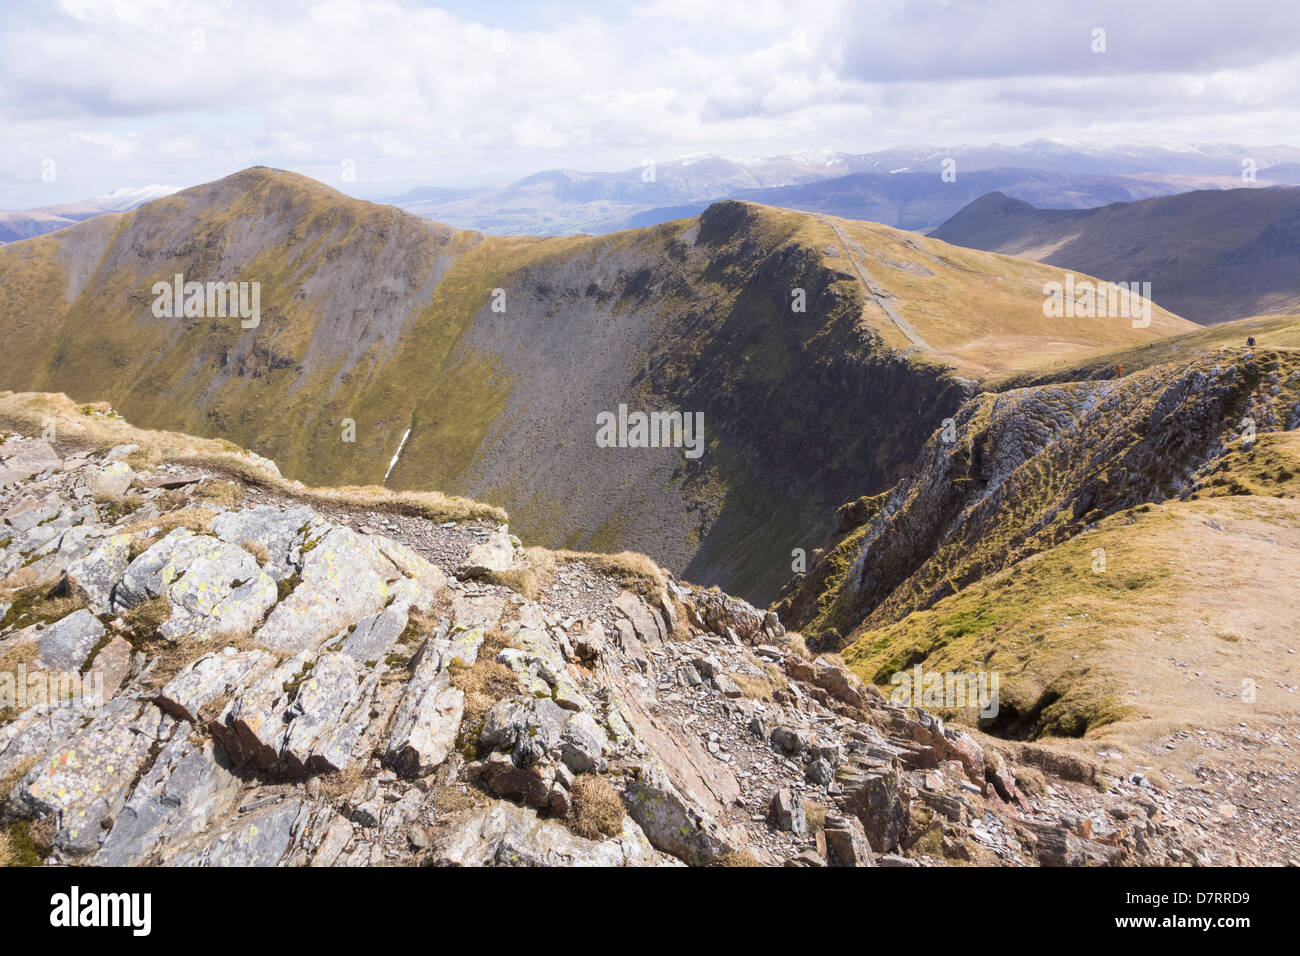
{"x": 308, "y": 691}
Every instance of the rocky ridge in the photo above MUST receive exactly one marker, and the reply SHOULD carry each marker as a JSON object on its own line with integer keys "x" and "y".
{"x": 287, "y": 683}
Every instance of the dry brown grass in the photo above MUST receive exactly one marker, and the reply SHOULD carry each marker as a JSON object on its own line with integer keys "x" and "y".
{"x": 337, "y": 786}
{"x": 113, "y": 510}
{"x": 523, "y": 581}
{"x": 815, "y": 814}
{"x": 196, "y": 519}
{"x": 752, "y": 686}
{"x": 38, "y": 605}
{"x": 452, "y": 799}
{"x": 629, "y": 568}
{"x": 169, "y": 659}
{"x": 1032, "y": 781}
{"x": 486, "y": 681}
{"x": 95, "y": 426}
{"x": 736, "y": 858}
{"x": 798, "y": 644}
{"x": 228, "y": 494}
{"x": 597, "y": 811}
{"x": 432, "y": 505}
{"x": 8, "y": 855}
{"x": 143, "y": 620}
{"x": 256, "y": 550}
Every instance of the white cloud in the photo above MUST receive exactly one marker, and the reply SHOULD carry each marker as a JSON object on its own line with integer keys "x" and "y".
{"x": 125, "y": 92}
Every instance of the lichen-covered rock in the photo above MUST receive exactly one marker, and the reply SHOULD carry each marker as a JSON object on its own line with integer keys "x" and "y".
{"x": 251, "y": 727}
{"x": 259, "y": 838}
{"x": 34, "y": 732}
{"x": 374, "y": 636}
{"x": 279, "y": 530}
{"x": 87, "y": 778}
{"x": 323, "y": 698}
{"x": 29, "y": 514}
{"x": 428, "y": 718}
{"x": 186, "y": 791}
{"x": 670, "y": 822}
{"x": 503, "y": 834}
{"x": 527, "y": 728}
{"x": 216, "y": 590}
{"x": 583, "y": 744}
{"x": 500, "y": 551}
{"x": 339, "y": 587}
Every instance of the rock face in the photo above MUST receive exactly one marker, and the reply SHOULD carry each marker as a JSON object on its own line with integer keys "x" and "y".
{"x": 313, "y": 692}
{"x": 1077, "y": 451}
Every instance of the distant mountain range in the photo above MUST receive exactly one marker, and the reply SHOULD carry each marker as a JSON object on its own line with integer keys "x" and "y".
{"x": 35, "y": 222}
{"x": 1210, "y": 255}
{"x": 901, "y": 186}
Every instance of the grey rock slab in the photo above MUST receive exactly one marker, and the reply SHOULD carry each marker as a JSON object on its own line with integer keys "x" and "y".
{"x": 111, "y": 667}
{"x": 846, "y": 842}
{"x": 478, "y": 610}
{"x": 427, "y": 720}
{"x": 646, "y": 623}
{"x": 65, "y": 644}
{"x": 500, "y": 551}
{"x": 280, "y": 530}
{"x": 542, "y": 669}
{"x": 504, "y": 834}
{"x": 337, "y": 836}
{"x": 670, "y": 822}
{"x": 374, "y": 635}
{"x": 210, "y": 678}
{"x": 121, "y": 451}
{"x": 94, "y": 576}
{"x": 323, "y": 697}
{"x": 252, "y": 726}
{"x": 583, "y": 744}
{"x": 187, "y": 791}
{"x": 33, "y": 734}
{"x": 23, "y": 459}
{"x": 29, "y": 514}
{"x": 786, "y": 812}
{"x": 340, "y": 586}
{"x": 429, "y": 578}
{"x": 260, "y": 838}
{"x": 216, "y": 589}
{"x": 527, "y": 727}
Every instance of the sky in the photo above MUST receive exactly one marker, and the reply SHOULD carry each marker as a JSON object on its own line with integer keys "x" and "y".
{"x": 378, "y": 97}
